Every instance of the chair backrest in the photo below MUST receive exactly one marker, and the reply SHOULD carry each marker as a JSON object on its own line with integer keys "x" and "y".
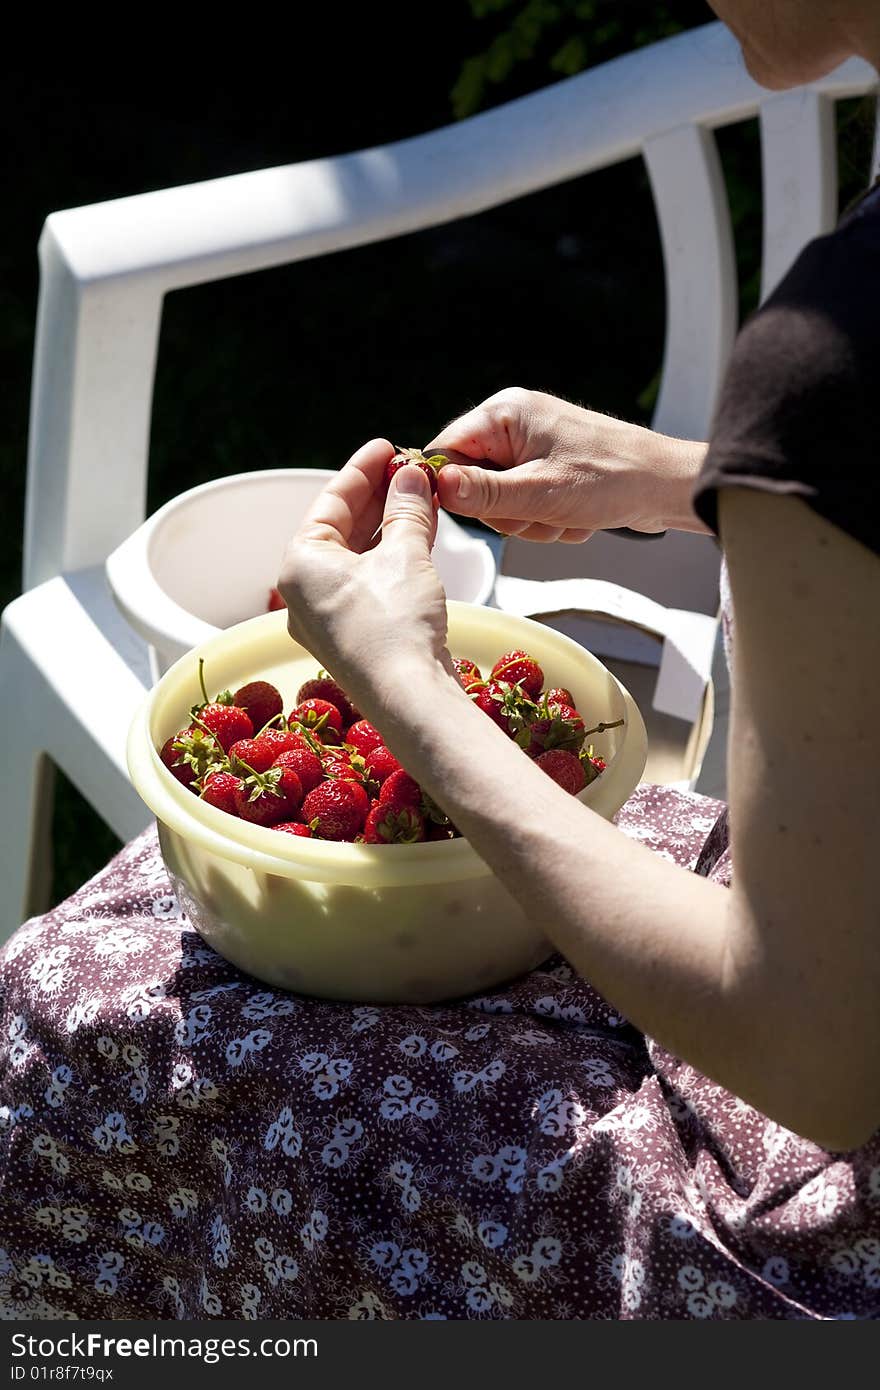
{"x": 106, "y": 268}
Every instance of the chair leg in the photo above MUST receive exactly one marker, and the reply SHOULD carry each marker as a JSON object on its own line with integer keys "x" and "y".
{"x": 25, "y": 836}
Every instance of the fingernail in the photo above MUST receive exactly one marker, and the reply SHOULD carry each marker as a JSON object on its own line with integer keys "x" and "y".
{"x": 460, "y": 481}
{"x": 411, "y": 480}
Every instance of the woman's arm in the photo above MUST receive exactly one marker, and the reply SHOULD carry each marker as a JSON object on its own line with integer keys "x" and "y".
{"x": 529, "y": 464}
{"x": 771, "y": 989}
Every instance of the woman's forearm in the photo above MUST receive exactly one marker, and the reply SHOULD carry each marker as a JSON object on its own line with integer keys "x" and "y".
{"x": 651, "y": 937}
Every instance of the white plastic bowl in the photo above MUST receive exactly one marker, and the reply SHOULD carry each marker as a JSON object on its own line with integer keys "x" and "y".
{"x": 175, "y": 595}
{"x": 382, "y": 923}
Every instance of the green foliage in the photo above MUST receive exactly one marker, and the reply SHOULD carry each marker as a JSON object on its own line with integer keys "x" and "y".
{"x": 536, "y": 41}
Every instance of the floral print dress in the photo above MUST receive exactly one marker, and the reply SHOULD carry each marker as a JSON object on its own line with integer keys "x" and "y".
{"x": 179, "y": 1141}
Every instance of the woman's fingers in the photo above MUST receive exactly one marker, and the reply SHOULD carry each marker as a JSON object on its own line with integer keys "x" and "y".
{"x": 349, "y": 509}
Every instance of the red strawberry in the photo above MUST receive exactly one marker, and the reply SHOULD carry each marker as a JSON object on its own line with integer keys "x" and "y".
{"x": 364, "y": 737}
{"x": 265, "y": 798}
{"x": 173, "y": 755}
{"x": 599, "y": 764}
{"x": 564, "y": 768}
{"x": 558, "y": 695}
{"x": 558, "y": 726}
{"x": 320, "y": 718}
{"x": 500, "y": 702}
{"x": 191, "y": 754}
{"x": 385, "y": 826}
{"x": 518, "y": 668}
{"x": 323, "y": 687}
{"x": 380, "y": 763}
{"x": 276, "y": 602}
{"x": 283, "y": 739}
{"x": 260, "y": 701}
{"x": 429, "y": 466}
{"x": 401, "y": 792}
{"x": 219, "y": 790}
{"x": 466, "y": 671}
{"x": 294, "y": 827}
{"x": 257, "y": 754}
{"x": 336, "y": 810}
{"x": 221, "y": 717}
{"x": 304, "y": 763}
{"x": 226, "y": 722}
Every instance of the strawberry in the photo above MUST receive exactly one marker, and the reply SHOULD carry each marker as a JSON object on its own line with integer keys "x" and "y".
{"x": 219, "y": 790}
{"x": 294, "y": 827}
{"x": 599, "y": 764}
{"x": 221, "y": 717}
{"x": 466, "y": 671}
{"x": 276, "y": 602}
{"x": 518, "y": 668}
{"x": 336, "y": 810}
{"x": 260, "y": 701}
{"x": 558, "y": 726}
{"x": 323, "y": 687}
{"x": 401, "y": 792}
{"x": 558, "y": 695}
{"x": 192, "y": 754}
{"x": 320, "y": 718}
{"x": 257, "y": 754}
{"x": 385, "y": 826}
{"x": 265, "y": 798}
{"x": 564, "y": 768}
{"x": 380, "y": 763}
{"x": 347, "y": 765}
{"x": 364, "y": 737}
{"x": 282, "y": 740}
{"x": 505, "y": 704}
{"x": 429, "y": 466}
{"x": 173, "y": 755}
{"x": 304, "y": 763}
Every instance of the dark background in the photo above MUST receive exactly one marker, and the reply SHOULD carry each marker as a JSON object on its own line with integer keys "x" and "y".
{"x": 297, "y": 366}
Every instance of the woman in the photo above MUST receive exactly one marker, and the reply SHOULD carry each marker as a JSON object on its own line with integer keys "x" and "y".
{"x": 178, "y": 1142}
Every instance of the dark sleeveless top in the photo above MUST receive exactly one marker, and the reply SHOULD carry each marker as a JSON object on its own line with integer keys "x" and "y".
{"x": 799, "y": 407}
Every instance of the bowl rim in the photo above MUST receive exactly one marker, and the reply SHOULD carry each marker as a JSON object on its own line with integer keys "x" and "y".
{"x": 257, "y": 847}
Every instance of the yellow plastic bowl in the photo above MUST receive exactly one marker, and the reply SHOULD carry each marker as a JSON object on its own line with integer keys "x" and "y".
{"x": 377, "y": 923}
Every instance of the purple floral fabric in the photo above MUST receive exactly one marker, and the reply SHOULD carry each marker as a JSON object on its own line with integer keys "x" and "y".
{"x": 179, "y": 1141}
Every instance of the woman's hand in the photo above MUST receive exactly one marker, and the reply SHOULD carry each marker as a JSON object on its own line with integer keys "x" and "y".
{"x": 531, "y": 465}
{"x": 368, "y": 609}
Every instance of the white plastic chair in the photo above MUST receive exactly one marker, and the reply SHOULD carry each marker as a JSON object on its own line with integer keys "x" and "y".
{"x": 71, "y": 673}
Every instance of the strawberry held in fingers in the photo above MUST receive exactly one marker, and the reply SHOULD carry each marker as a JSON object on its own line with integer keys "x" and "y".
{"x": 336, "y": 810}
{"x": 429, "y": 466}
